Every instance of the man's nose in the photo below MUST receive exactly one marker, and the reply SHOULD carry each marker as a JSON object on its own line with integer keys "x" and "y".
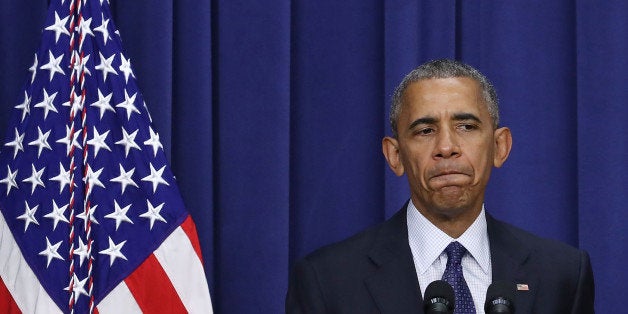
{"x": 447, "y": 145}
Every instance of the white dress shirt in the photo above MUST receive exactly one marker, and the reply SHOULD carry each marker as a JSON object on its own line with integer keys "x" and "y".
{"x": 428, "y": 243}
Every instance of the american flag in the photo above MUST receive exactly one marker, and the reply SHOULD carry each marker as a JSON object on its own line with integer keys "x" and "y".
{"x": 91, "y": 217}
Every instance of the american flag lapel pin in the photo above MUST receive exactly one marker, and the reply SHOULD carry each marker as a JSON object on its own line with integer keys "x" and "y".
{"x": 522, "y": 287}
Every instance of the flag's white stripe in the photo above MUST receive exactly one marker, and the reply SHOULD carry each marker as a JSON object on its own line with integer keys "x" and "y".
{"x": 18, "y": 277}
{"x": 185, "y": 270}
{"x": 119, "y": 300}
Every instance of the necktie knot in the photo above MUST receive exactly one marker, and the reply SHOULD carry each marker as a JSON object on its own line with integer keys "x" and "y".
{"x": 455, "y": 251}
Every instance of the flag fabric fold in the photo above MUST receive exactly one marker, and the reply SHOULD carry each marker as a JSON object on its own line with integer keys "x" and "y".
{"x": 91, "y": 219}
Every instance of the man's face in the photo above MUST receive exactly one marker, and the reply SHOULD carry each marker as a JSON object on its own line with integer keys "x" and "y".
{"x": 447, "y": 146}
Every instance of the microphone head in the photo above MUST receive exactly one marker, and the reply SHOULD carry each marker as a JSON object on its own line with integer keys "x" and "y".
{"x": 500, "y": 298}
{"x": 439, "y": 298}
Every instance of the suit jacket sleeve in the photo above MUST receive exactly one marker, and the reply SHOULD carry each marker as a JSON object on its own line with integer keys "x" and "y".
{"x": 304, "y": 293}
{"x": 585, "y": 292}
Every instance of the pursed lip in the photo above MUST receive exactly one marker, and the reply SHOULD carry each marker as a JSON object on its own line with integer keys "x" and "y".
{"x": 447, "y": 173}
{"x": 450, "y": 176}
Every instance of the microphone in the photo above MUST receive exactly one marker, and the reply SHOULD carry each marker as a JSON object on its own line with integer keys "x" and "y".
{"x": 439, "y": 298}
{"x": 500, "y": 298}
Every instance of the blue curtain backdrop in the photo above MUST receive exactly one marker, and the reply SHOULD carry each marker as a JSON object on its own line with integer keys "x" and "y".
{"x": 272, "y": 113}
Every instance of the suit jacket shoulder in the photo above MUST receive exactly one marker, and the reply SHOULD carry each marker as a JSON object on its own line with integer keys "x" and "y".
{"x": 371, "y": 272}
{"x": 552, "y": 277}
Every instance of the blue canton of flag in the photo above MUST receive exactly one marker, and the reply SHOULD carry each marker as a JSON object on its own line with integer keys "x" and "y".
{"x": 91, "y": 216}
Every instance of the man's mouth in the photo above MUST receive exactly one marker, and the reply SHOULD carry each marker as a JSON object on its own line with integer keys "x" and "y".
{"x": 449, "y": 177}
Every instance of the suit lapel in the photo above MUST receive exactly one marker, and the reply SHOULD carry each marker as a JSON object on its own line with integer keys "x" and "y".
{"x": 509, "y": 258}
{"x": 394, "y": 285}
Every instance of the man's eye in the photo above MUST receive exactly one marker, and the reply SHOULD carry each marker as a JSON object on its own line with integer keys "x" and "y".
{"x": 467, "y": 127}
{"x": 425, "y": 131}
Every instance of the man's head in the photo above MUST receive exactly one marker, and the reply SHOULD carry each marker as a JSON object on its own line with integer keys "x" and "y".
{"x": 444, "y": 116}
{"x": 444, "y": 68}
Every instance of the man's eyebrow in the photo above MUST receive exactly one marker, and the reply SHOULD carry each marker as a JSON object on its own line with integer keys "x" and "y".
{"x": 462, "y": 116}
{"x": 424, "y": 120}
{"x": 466, "y": 116}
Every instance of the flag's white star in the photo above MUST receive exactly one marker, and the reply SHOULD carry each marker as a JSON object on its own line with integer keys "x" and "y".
{"x": 81, "y": 251}
{"x": 80, "y": 64}
{"x": 114, "y": 251}
{"x": 98, "y": 141}
{"x": 35, "y": 178}
{"x": 59, "y": 27}
{"x": 84, "y": 28}
{"x": 41, "y": 142}
{"x": 29, "y": 216}
{"x": 47, "y": 103}
{"x": 92, "y": 179}
{"x": 63, "y": 177}
{"x": 125, "y": 178}
{"x": 25, "y": 106}
{"x": 128, "y": 140}
{"x": 75, "y": 103}
{"x": 83, "y": 65}
{"x": 153, "y": 213}
{"x": 92, "y": 216}
{"x": 105, "y": 66}
{"x": 125, "y": 67}
{"x": 9, "y": 180}
{"x": 51, "y": 251}
{"x": 53, "y": 65}
{"x": 119, "y": 214}
{"x": 103, "y": 29}
{"x": 103, "y": 103}
{"x": 66, "y": 139}
{"x": 33, "y": 69}
{"x": 153, "y": 141}
{"x": 155, "y": 177}
{"x": 128, "y": 104}
{"x": 56, "y": 214}
{"x": 17, "y": 143}
{"x": 78, "y": 287}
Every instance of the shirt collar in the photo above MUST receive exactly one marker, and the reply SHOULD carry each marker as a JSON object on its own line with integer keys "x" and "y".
{"x": 426, "y": 238}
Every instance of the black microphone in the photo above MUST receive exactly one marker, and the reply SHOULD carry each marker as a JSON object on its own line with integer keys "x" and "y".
{"x": 500, "y": 298}
{"x": 439, "y": 298}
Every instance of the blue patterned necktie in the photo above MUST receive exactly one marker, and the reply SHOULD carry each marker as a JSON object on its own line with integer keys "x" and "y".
{"x": 453, "y": 275}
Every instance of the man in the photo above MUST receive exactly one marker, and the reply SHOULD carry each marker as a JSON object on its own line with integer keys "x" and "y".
{"x": 446, "y": 139}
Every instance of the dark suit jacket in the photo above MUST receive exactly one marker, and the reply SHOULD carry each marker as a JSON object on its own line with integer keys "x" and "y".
{"x": 373, "y": 272}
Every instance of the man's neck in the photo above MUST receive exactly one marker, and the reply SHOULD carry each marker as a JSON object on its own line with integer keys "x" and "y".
{"x": 454, "y": 224}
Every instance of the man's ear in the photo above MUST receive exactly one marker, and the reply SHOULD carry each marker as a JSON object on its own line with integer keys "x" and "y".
{"x": 503, "y": 144}
{"x": 390, "y": 148}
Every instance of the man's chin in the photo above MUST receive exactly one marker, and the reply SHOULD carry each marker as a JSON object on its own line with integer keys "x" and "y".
{"x": 452, "y": 195}
{"x": 451, "y": 202}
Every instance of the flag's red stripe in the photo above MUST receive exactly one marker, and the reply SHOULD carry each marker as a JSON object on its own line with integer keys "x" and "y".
{"x": 7, "y": 304}
{"x": 189, "y": 228}
{"x": 152, "y": 290}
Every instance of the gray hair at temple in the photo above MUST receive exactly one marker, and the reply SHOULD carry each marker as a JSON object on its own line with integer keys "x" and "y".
{"x": 444, "y": 68}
